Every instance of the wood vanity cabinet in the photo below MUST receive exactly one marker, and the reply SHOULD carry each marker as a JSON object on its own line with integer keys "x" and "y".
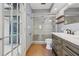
{"x": 57, "y": 45}
{"x": 70, "y": 49}
{"x": 64, "y": 48}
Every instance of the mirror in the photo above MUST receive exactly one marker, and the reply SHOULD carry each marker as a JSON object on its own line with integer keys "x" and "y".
{"x": 71, "y": 14}
{"x": 71, "y": 19}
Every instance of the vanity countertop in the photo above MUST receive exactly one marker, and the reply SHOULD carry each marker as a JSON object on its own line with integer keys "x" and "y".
{"x": 68, "y": 37}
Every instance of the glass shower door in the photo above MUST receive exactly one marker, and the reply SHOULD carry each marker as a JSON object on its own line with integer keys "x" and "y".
{"x": 11, "y": 29}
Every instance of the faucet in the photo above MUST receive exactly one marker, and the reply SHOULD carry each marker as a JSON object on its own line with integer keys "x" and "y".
{"x": 68, "y": 31}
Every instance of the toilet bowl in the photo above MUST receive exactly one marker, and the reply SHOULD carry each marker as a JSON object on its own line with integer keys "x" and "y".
{"x": 48, "y": 43}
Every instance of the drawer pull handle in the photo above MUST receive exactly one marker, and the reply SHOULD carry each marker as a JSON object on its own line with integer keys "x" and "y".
{"x": 72, "y": 50}
{"x": 68, "y": 53}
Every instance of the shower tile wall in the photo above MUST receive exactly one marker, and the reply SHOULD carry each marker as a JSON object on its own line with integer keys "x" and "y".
{"x": 47, "y": 27}
{"x": 36, "y": 37}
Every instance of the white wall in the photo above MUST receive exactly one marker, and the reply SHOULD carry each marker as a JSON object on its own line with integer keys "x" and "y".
{"x": 73, "y": 27}
{"x": 23, "y": 29}
{"x": 59, "y": 27}
{"x": 29, "y": 24}
{"x": 0, "y": 20}
{"x": 1, "y": 29}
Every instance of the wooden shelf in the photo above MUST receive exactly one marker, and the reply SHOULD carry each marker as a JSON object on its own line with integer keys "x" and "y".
{"x": 59, "y": 22}
{"x": 59, "y": 17}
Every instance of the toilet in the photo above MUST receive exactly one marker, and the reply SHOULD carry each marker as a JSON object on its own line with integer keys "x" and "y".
{"x": 48, "y": 43}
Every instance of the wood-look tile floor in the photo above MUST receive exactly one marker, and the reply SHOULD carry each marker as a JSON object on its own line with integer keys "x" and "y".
{"x": 39, "y": 50}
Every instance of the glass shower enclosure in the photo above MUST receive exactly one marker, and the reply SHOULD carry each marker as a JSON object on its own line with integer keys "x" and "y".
{"x": 10, "y": 29}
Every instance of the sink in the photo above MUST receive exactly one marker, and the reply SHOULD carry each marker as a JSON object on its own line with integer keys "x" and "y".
{"x": 75, "y": 36}
{"x": 69, "y": 36}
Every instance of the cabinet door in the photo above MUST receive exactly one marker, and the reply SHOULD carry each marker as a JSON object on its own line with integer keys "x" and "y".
{"x": 57, "y": 45}
{"x": 66, "y": 52}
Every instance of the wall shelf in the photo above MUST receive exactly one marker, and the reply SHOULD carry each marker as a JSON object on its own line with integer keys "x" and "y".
{"x": 59, "y": 17}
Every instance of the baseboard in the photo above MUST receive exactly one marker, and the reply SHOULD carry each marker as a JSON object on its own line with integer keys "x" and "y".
{"x": 29, "y": 45}
{"x": 28, "y": 48}
{"x": 34, "y": 42}
{"x": 38, "y": 42}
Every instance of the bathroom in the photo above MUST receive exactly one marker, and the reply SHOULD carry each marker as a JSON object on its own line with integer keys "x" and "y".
{"x": 39, "y": 29}
{"x": 47, "y": 27}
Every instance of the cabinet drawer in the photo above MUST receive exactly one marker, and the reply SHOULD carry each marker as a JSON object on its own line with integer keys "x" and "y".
{"x": 66, "y": 52}
{"x": 57, "y": 41}
{"x": 71, "y": 48}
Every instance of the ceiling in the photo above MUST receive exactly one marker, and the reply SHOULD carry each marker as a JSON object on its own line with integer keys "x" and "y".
{"x": 41, "y": 6}
{"x": 75, "y": 5}
{"x": 57, "y": 7}
{"x": 49, "y": 8}
{"x": 72, "y": 10}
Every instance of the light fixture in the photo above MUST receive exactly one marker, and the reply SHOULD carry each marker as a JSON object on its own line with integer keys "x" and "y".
{"x": 50, "y": 20}
{"x": 40, "y": 27}
{"x": 55, "y": 8}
